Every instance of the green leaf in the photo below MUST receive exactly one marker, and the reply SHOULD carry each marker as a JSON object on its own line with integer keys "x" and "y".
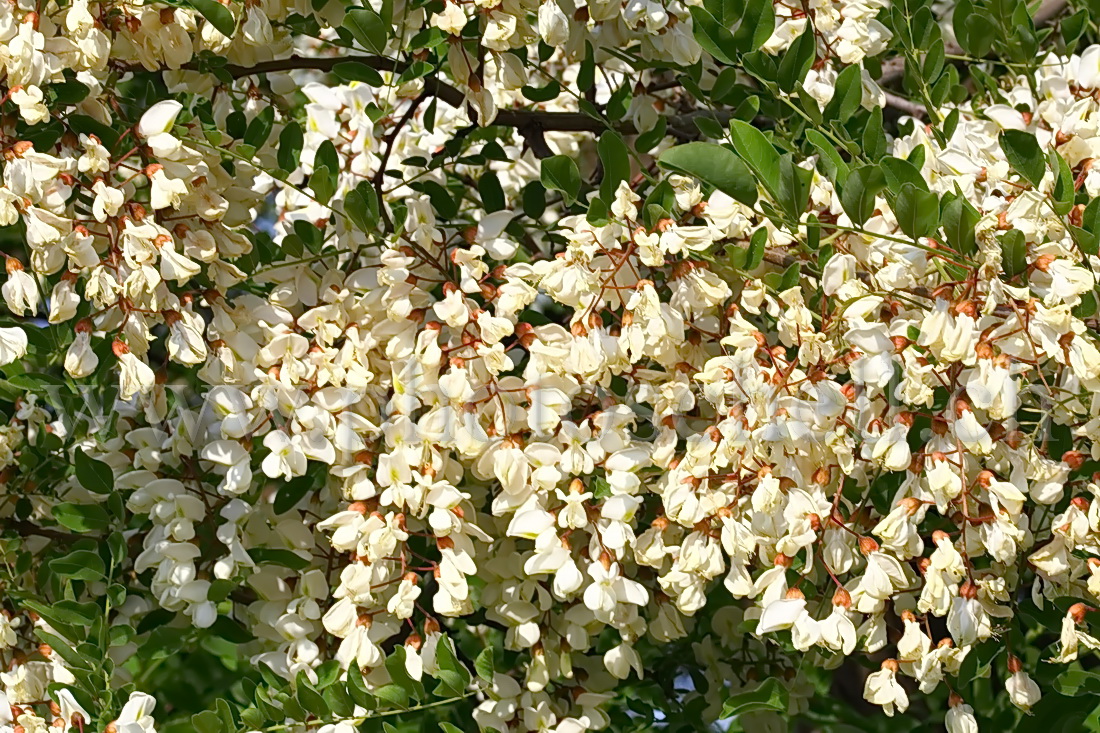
{"x": 959, "y": 220}
{"x": 542, "y": 94}
{"x": 226, "y": 714}
{"x": 276, "y": 556}
{"x": 1090, "y": 219}
{"x": 291, "y": 141}
{"x": 393, "y": 694}
{"x": 339, "y": 701}
{"x": 79, "y": 565}
{"x": 484, "y": 665}
{"x": 797, "y": 60}
{"x": 368, "y": 29}
{"x": 586, "y": 72}
{"x": 771, "y": 695}
{"x": 712, "y": 35}
{"x": 858, "y": 195}
{"x": 1087, "y": 236}
{"x": 648, "y": 140}
{"x": 68, "y": 92}
{"x": 491, "y": 192}
{"x": 309, "y": 698}
{"x": 1024, "y": 155}
{"x": 452, "y": 674}
{"x": 832, "y": 164}
{"x": 560, "y": 173}
{"x": 899, "y": 171}
{"x": 714, "y": 165}
{"x": 848, "y": 94}
{"x": 616, "y": 163}
{"x": 1013, "y": 252}
{"x": 357, "y": 688}
{"x": 534, "y": 200}
{"x": 207, "y": 722}
{"x": 399, "y": 673}
{"x": 291, "y": 493}
{"x": 260, "y": 127}
{"x": 82, "y": 517}
{"x": 917, "y": 211}
{"x": 231, "y": 630}
{"x": 91, "y": 126}
{"x": 597, "y": 212}
{"x": 358, "y": 71}
{"x": 65, "y": 613}
{"x": 361, "y": 206}
{"x": 813, "y": 232}
{"x": 761, "y": 156}
{"x": 64, "y": 648}
{"x": 1064, "y": 191}
{"x": 216, "y": 14}
{"x": 323, "y": 183}
{"x": 963, "y": 9}
{"x": 756, "y": 26}
{"x": 794, "y": 187}
{"x": 874, "y": 137}
{"x": 327, "y": 156}
{"x": 93, "y": 474}
{"x": 754, "y": 255}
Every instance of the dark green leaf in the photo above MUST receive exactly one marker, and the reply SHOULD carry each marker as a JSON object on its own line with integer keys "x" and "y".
{"x": 260, "y": 127}
{"x": 560, "y": 173}
{"x": 368, "y": 29}
{"x": 758, "y": 153}
{"x": 847, "y": 96}
{"x": 1024, "y": 155}
{"x": 959, "y": 220}
{"x": 711, "y": 34}
{"x": 794, "y": 187}
{"x": 754, "y": 255}
{"x": 290, "y": 147}
{"x": 358, "y": 71}
{"x": 79, "y": 565}
{"x": 616, "y": 163}
{"x": 797, "y": 60}
{"x": 216, "y": 14}
{"x": 858, "y": 195}
{"x": 1013, "y": 252}
{"x": 93, "y": 474}
{"x": 484, "y": 665}
{"x": 771, "y": 695}
{"x": 491, "y": 192}
{"x": 81, "y": 517}
{"x": 207, "y": 722}
{"x": 917, "y": 211}
{"x": 714, "y": 165}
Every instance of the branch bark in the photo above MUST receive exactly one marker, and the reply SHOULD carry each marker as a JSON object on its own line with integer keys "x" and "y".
{"x": 530, "y": 123}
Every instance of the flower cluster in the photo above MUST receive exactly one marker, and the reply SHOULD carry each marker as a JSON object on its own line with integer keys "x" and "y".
{"x": 366, "y": 339}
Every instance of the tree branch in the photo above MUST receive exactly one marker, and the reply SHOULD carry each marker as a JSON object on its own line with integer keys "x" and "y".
{"x": 529, "y": 122}
{"x": 913, "y": 109}
{"x": 433, "y": 86}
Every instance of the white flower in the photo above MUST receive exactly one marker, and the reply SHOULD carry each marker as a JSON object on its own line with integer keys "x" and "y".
{"x": 159, "y": 118}
{"x": 882, "y": 688}
{"x": 13, "y": 344}
{"x": 1022, "y": 690}
{"x": 960, "y": 719}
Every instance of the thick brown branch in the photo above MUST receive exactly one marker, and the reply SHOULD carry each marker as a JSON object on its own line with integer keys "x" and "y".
{"x": 433, "y": 86}
{"x": 914, "y": 109}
